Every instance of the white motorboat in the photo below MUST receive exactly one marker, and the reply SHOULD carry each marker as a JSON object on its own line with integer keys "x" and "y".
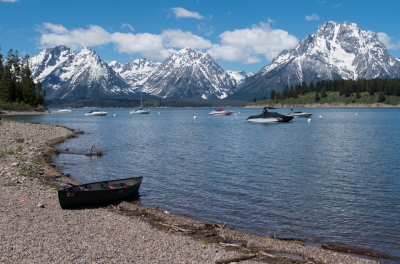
{"x": 220, "y": 111}
{"x": 140, "y": 110}
{"x": 299, "y": 114}
{"x": 96, "y": 113}
{"x": 63, "y": 111}
{"x": 269, "y": 117}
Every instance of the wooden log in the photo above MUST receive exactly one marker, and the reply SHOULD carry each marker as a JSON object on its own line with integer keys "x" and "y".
{"x": 235, "y": 259}
{"x": 354, "y": 250}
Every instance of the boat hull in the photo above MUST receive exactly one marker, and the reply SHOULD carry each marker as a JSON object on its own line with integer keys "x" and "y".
{"x": 140, "y": 112}
{"x": 269, "y": 117}
{"x": 98, "y": 193}
{"x": 96, "y": 114}
{"x": 270, "y": 120}
{"x": 64, "y": 111}
{"x": 301, "y": 115}
{"x": 221, "y": 113}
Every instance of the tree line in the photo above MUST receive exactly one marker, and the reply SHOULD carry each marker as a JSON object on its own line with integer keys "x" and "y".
{"x": 344, "y": 87}
{"x": 17, "y": 86}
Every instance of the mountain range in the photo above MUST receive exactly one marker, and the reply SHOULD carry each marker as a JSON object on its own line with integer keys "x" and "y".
{"x": 335, "y": 51}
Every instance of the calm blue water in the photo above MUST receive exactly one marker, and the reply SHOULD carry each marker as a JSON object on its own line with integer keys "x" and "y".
{"x": 334, "y": 179}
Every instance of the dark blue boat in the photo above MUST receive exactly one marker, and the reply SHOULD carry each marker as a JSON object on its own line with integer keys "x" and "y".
{"x": 98, "y": 193}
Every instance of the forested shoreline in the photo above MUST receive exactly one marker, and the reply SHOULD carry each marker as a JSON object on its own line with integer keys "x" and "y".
{"x": 18, "y": 90}
{"x": 346, "y": 88}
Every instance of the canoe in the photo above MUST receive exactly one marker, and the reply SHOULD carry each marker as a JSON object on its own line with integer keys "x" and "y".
{"x": 97, "y": 193}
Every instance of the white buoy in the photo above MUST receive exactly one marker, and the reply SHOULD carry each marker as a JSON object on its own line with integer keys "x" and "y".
{"x": 309, "y": 120}
{"x": 158, "y": 112}
{"x": 194, "y": 117}
{"x": 320, "y": 116}
{"x": 114, "y": 114}
{"x": 356, "y": 114}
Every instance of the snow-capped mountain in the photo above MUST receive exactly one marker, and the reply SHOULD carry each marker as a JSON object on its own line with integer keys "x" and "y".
{"x": 135, "y": 73}
{"x": 239, "y": 76}
{"x": 335, "y": 51}
{"x": 66, "y": 75}
{"x": 189, "y": 74}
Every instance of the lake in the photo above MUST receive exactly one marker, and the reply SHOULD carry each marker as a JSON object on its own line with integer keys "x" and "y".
{"x": 333, "y": 179}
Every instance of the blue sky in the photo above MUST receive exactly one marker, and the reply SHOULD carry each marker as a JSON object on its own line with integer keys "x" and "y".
{"x": 238, "y": 34}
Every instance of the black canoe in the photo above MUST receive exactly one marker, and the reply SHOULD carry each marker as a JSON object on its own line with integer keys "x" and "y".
{"x": 97, "y": 193}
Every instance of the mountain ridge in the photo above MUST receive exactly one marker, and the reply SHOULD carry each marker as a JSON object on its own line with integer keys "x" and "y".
{"x": 335, "y": 51}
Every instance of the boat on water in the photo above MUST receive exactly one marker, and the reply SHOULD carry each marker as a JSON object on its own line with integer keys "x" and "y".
{"x": 64, "y": 111}
{"x": 98, "y": 193}
{"x": 140, "y": 110}
{"x": 220, "y": 111}
{"x": 269, "y": 117}
{"x": 299, "y": 114}
{"x": 96, "y": 113}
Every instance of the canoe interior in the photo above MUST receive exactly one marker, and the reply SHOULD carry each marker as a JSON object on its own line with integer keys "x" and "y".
{"x": 97, "y": 193}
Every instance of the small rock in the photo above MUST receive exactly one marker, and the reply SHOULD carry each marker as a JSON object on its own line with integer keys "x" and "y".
{"x": 40, "y": 205}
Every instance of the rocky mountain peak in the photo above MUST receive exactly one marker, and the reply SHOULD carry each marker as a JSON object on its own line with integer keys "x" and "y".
{"x": 335, "y": 51}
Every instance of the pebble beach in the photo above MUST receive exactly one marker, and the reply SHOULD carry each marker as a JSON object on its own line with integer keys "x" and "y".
{"x": 34, "y": 228}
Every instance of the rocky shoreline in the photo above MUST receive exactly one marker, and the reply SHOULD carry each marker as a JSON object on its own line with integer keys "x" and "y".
{"x": 34, "y": 229}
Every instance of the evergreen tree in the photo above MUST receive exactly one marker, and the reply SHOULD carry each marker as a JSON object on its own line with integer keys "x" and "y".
{"x": 272, "y": 95}
{"x": 312, "y": 88}
{"x": 381, "y": 97}
{"x": 323, "y": 92}
{"x": 358, "y": 94}
{"x": 316, "y": 97}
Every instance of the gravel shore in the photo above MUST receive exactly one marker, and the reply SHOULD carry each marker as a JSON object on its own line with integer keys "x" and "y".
{"x": 34, "y": 228}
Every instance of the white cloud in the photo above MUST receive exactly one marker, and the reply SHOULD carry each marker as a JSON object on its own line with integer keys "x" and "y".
{"x": 9, "y": 1}
{"x": 183, "y": 13}
{"x": 76, "y": 38}
{"x": 58, "y": 29}
{"x": 388, "y": 41}
{"x": 128, "y": 26}
{"x": 152, "y": 46}
{"x": 177, "y": 38}
{"x": 250, "y": 44}
{"x": 312, "y": 17}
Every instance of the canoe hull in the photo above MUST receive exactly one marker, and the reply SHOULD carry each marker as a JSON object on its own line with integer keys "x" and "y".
{"x": 97, "y": 193}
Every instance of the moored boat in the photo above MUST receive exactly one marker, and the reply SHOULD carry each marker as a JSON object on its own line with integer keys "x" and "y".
{"x": 140, "y": 110}
{"x": 269, "y": 117}
{"x": 220, "y": 111}
{"x": 96, "y": 113}
{"x": 64, "y": 111}
{"x": 299, "y": 114}
{"x": 97, "y": 193}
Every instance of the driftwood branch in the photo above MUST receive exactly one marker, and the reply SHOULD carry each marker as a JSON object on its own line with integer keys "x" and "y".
{"x": 99, "y": 152}
{"x": 229, "y": 244}
{"x": 176, "y": 228}
{"x": 354, "y": 250}
{"x": 235, "y": 259}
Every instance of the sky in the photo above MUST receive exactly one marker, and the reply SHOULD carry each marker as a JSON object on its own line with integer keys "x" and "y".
{"x": 240, "y": 35}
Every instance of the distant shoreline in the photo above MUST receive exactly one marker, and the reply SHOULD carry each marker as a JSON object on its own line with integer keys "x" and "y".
{"x": 27, "y": 113}
{"x": 375, "y": 105}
